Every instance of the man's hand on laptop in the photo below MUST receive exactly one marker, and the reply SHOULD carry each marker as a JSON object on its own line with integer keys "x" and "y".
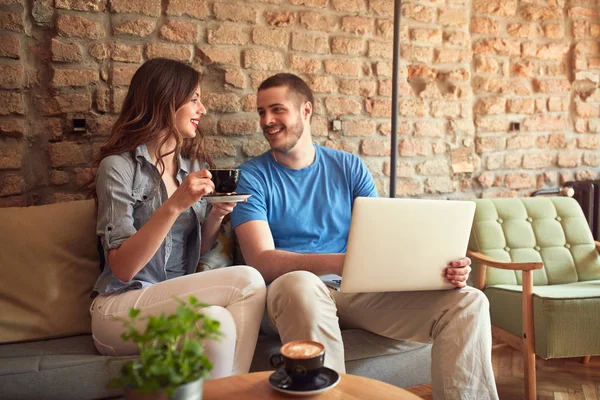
{"x": 458, "y": 272}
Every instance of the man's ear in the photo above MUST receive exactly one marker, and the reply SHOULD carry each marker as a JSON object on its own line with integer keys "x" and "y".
{"x": 307, "y": 110}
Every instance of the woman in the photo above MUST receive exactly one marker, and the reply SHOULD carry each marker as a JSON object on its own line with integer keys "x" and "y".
{"x": 154, "y": 225}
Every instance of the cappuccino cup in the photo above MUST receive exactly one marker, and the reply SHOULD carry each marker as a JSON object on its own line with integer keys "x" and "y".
{"x": 225, "y": 179}
{"x": 302, "y": 360}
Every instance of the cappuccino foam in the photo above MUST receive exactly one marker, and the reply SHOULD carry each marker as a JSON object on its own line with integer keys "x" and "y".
{"x": 302, "y": 349}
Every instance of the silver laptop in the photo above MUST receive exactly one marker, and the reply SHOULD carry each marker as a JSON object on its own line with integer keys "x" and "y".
{"x": 403, "y": 244}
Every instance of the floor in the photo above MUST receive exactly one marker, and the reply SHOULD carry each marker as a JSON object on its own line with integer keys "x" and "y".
{"x": 557, "y": 379}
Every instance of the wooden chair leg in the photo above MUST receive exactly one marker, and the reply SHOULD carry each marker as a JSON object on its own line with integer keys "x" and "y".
{"x": 528, "y": 343}
{"x": 586, "y": 359}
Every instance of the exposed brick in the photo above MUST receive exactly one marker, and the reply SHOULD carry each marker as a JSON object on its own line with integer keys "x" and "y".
{"x": 554, "y": 86}
{"x": 552, "y": 51}
{"x": 430, "y": 128}
{"x": 12, "y": 21}
{"x": 235, "y": 78}
{"x": 65, "y": 154}
{"x": 585, "y": 110}
{"x": 486, "y": 65}
{"x": 357, "y": 25}
{"x": 442, "y": 108}
{"x": 556, "y": 31}
{"x": 583, "y": 12}
{"x": 411, "y": 147}
{"x": 359, "y": 128}
{"x": 81, "y": 5}
{"x": 499, "y": 46}
{"x": 536, "y": 14}
{"x": 79, "y": 26}
{"x": 404, "y": 89}
{"x": 545, "y": 123}
{"x": 375, "y": 147}
{"x": 488, "y": 85}
{"x": 519, "y": 181}
{"x": 523, "y": 69}
{"x": 487, "y": 144}
{"x": 322, "y": 84}
{"x": 11, "y": 185}
{"x": 64, "y": 103}
{"x": 263, "y": 60}
{"x": 257, "y": 77}
{"x": 385, "y": 29}
{"x": 179, "y": 31}
{"x": 118, "y": 97}
{"x": 309, "y": 3}
{"x": 520, "y": 106}
{"x": 589, "y": 159}
{"x": 483, "y": 25}
{"x": 558, "y": 104}
{"x": 221, "y": 102}
{"x": 342, "y": 106}
{"x": 13, "y": 127}
{"x": 270, "y": 37}
{"x": 419, "y": 12}
{"x": 228, "y": 34}
{"x": 439, "y": 185}
{"x": 11, "y": 158}
{"x": 210, "y": 55}
{"x": 409, "y": 187}
{"x": 459, "y": 39}
{"x": 538, "y": 161}
{"x": 42, "y": 12}
{"x": 121, "y": 74}
{"x": 463, "y": 127}
{"x": 417, "y": 53}
{"x": 253, "y": 148}
{"x": 342, "y": 145}
{"x": 12, "y": 76}
{"x": 490, "y": 106}
{"x": 447, "y": 56}
{"x": 73, "y": 77}
{"x": 100, "y": 51}
{"x": 454, "y": 18}
{"x": 172, "y": 51}
{"x": 126, "y": 52}
{"x": 65, "y": 51}
{"x": 589, "y": 142}
{"x": 404, "y": 169}
{"x": 348, "y": 46}
{"x": 568, "y": 160}
{"x": 236, "y": 12}
{"x": 319, "y": 126}
{"x": 280, "y": 19}
{"x": 349, "y": 5}
{"x": 140, "y": 27}
{"x": 581, "y": 125}
{"x": 304, "y": 64}
{"x": 316, "y": 21}
{"x": 310, "y": 43}
{"x": 343, "y": 67}
{"x": 587, "y": 48}
{"x": 425, "y": 35}
{"x": 238, "y": 127}
{"x": 522, "y": 30}
{"x": 500, "y": 8}
{"x": 146, "y": 7}
{"x": 194, "y": 8}
{"x": 358, "y": 87}
{"x": 10, "y": 46}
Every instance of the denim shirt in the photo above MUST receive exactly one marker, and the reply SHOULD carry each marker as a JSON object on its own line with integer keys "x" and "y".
{"x": 130, "y": 190}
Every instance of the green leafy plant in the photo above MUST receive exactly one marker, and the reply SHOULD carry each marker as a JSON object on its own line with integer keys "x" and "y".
{"x": 171, "y": 351}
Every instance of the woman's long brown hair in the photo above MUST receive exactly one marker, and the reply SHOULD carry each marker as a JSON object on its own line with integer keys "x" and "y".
{"x": 157, "y": 90}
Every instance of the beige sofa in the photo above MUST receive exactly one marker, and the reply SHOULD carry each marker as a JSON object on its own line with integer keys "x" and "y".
{"x": 48, "y": 266}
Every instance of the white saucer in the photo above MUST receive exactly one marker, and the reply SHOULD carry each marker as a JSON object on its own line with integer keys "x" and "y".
{"x": 226, "y": 198}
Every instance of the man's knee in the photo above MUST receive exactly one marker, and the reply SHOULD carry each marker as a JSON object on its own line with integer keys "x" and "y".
{"x": 302, "y": 290}
{"x": 248, "y": 278}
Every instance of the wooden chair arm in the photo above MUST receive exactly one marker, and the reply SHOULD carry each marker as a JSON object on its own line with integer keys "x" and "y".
{"x": 514, "y": 266}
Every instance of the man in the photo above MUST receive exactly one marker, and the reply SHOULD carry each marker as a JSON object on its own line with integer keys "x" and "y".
{"x": 295, "y": 227}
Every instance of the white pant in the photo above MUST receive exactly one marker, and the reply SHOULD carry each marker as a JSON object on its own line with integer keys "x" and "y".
{"x": 236, "y": 296}
{"x": 456, "y": 321}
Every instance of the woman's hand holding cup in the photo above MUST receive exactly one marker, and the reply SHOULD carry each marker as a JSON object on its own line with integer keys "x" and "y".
{"x": 193, "y": 187}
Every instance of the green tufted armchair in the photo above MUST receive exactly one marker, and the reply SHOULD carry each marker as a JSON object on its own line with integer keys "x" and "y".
{"x": 544, "y": 284}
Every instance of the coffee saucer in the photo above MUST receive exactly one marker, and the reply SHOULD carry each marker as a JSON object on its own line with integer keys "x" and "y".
{"x": 327, "y": 378}
{"x": 226, "y": 197}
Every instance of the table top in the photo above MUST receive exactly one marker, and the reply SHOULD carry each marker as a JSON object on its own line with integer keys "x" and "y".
{"x": 256, "y": 386}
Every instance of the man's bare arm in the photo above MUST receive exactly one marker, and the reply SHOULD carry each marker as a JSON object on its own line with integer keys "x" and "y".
{"x": 258, "y": 248}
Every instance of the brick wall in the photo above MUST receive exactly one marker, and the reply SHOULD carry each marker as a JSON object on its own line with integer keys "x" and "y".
{"x": 498, "y": 97}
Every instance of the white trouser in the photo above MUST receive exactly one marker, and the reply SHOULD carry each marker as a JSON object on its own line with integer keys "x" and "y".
{"x": 457, "y": 321}
{"x": 236, "y": 298}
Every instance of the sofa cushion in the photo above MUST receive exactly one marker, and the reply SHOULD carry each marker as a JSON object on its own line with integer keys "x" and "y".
{"x": 49, "y": 265}
{"x": 66, "y": 368}
{"x": 566, "y": 319}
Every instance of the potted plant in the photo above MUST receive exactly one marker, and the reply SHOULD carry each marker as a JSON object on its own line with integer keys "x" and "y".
{"x": 171, "y": 363}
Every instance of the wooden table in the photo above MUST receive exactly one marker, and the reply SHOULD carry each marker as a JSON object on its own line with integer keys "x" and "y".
{"x": 256, "y": 386}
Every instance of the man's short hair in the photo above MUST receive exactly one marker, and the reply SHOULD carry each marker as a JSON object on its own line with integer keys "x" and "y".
{"x": 295, "y": 85}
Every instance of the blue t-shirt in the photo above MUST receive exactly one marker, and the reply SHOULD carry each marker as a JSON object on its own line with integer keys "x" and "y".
{"x": 308, "y": 210}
